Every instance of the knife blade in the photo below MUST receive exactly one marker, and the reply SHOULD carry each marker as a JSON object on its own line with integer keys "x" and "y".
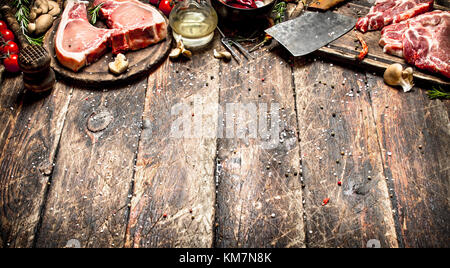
{"x": 311, "y": 31}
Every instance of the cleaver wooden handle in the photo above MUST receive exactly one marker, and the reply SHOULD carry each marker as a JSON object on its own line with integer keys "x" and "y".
{"x": 324, "y": 4}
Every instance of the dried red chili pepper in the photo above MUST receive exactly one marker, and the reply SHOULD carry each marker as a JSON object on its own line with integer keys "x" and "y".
{"x": 325, "y": 201}
{"x": 365, "y": 48}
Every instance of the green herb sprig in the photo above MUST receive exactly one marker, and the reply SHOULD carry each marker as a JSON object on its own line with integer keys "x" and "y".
{"x": 438, "y": 93}
{"x": 93, "y": 12}
{"x": 22, "y": 17}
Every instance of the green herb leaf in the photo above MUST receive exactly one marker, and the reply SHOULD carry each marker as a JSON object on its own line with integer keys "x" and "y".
{"x": 94, "y": 12}
{"x": 438, "y": 93}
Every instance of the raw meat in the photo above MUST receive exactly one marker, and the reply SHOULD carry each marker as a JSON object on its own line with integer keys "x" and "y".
{"x": 77, "y": 42}
{"x": 423, "y": 41}
{"x": 137, "y": 25}
{"x": 385, "y": 12}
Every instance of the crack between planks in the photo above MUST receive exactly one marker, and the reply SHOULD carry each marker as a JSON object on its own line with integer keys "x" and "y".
{"x": 136, "y": 155}
{"x": 216, "y": 176}
{"x": 305, "y": 225}
{"x": 393, "y": 200}
{"x": 50, "y": 178}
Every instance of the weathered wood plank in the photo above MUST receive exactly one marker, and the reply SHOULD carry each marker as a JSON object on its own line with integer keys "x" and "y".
{"x": 259, "y": 200}
{"x": 88, "y": 199}
{"x": 415, "y": 143}
{"x": 339, "y": 143}
{"x": 30, "y": 128}
{"x": 175, "y": 174}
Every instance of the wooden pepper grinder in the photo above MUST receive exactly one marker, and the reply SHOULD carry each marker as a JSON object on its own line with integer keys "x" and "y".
{"x": 34, "y": 60}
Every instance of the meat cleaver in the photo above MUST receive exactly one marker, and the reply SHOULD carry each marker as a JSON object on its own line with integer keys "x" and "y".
{"x": 311, "y": 31}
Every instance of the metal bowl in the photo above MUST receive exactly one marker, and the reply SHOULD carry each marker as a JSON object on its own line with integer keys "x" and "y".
{"x": 229, "y": 14}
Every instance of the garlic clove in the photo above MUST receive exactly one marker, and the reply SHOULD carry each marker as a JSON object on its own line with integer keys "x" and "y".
{"x": 186, "y": 53}
{"x": 175, "y": 53}
{"x": 119, "y": 65}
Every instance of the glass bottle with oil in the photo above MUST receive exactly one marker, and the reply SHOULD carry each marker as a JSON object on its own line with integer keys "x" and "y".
{"x": 193, "y": 22}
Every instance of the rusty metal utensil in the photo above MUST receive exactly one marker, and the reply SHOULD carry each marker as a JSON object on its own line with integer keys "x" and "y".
{"x": 229, "y": 43}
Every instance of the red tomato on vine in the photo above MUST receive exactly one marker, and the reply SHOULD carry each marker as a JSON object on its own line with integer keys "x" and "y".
{"x": 11, "y": 63}
{"x": 7, "y": 35}
{"x": 3, "y": 25}
{"x": 166, "y": 6}
{"x": 10, "y": 48}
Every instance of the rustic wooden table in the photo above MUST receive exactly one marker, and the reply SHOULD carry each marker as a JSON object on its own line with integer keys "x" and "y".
{"x": 100, "y": 165}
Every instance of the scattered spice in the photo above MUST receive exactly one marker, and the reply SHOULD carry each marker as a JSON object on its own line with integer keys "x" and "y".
{"x": 339, "y": 183}
{"x": 325, "y": 201}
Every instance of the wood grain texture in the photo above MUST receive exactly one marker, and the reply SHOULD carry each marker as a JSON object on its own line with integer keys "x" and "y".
{"x": 259, "y": 200}
{"x": 31, "y": 127}
{"x": 415, "y": 140}
{"x": 89, "y": 195}
{"x": 346, "y": 49}
{"x": 141, "y": 63}
{"x": 175, "y": 174}
{"x": 339, "y": 143}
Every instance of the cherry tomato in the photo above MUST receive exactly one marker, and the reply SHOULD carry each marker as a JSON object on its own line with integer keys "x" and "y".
{"x": 166, "y": 6}
{"x": 7, "y": 35}
{"x": 153, "y": 2}
{"x": 10, "y": 48}
{"x": 3, "y": 25}
{"x": 11, "y": 63}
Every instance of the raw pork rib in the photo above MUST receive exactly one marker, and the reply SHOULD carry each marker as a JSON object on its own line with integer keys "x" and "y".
{"x": 137, "y": 25}
{"x": 423, "y": 41}
{"x": 385, "y": 12}
{"x": 77, "y": 42}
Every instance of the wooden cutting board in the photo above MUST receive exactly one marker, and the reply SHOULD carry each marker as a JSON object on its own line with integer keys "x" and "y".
{"x": 97, "y": 74}
{"x": 347, "y": 47}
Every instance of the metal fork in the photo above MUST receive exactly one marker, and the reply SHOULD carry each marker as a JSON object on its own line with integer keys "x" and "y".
{"x": 229, "y": 43}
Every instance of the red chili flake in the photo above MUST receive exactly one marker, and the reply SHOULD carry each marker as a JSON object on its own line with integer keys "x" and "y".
{"x": 365, "y": 48}
{"x": 325, "y": 201}
{"x": 339, "y": 183}
{"x": 263, "y": 79}
{"x": 165, "y": 215}
{"x": 193, "y": 114}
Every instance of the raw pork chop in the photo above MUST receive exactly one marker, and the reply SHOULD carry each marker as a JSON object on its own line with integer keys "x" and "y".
{"x": 77, "y": 42}
{"x": 385, "y": 12}
{"x": 423, "y": 41}
{"x": 137, "y": 25}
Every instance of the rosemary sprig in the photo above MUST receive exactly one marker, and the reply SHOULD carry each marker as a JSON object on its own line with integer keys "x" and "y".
{"x": 279, "y": 12}
{"x": 94, "y": 12}
{"x": 35, "y": 40}
{"x": 438, "y": 93}
{"x": 22, "y": 15}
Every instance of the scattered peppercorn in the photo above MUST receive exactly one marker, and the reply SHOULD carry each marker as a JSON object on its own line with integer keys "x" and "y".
{"x": 339, "y": 183}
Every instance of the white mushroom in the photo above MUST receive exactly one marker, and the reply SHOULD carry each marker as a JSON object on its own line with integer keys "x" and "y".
{"x": 120, "y": 65}
{"x": 54, "y": 9}
{"x": 43, "y": 23}
{"x": 396, "y": 76}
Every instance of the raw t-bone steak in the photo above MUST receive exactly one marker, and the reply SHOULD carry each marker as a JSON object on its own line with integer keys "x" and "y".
{"x": 77, "y": 42}
{"x": 137, "y": 25}
{"x": 385, "y": 12}
{"x": 423, "y": 41}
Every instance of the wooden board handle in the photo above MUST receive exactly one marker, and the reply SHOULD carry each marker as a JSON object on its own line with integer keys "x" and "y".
{"x": 324, "y": 4}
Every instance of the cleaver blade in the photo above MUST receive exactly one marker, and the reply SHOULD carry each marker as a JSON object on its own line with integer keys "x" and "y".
{"x": 311, "y": 31}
